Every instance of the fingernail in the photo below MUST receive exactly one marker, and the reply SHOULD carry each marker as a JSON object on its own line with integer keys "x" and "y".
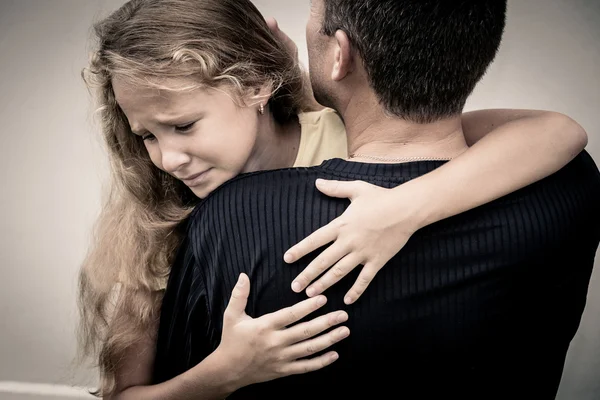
{"x": 288, "y": 258}
{"x": 348, "y": 300}
{"x": 321, "y": 182}
{"x": 334, "y": 356}
{"x": 344, "y": 332}
{"x": 296, "y": 287}
{"x": 310, "y": 292}
{"x": 342, "y": 317}
{"x": 240, "y": 281}
{"x": 321, "y": 300}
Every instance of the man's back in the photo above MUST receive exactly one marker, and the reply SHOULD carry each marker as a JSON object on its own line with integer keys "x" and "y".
{"x": 481, "y": 305}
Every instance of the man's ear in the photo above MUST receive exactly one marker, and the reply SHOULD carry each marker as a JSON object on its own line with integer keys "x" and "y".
{"x": 343, "y": 63}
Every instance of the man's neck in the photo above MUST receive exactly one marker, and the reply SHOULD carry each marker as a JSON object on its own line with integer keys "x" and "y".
{"x": 374, "y": 133}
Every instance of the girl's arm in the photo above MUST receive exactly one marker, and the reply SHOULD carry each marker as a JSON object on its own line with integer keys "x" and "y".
{"x": 251, "y": 351}
{"x": 512, "y": 149}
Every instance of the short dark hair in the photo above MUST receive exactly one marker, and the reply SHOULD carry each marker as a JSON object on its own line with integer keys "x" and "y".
{"x": 423, "y": 57}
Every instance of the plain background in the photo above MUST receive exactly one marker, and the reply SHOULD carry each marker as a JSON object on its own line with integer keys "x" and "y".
{"x": 52, "y": 164}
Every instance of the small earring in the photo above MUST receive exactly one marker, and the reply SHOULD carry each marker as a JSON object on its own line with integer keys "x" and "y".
{"x": 261, "y": 109}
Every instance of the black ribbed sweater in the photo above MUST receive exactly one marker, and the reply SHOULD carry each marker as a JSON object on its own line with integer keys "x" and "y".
{"x": 481, "y": 305}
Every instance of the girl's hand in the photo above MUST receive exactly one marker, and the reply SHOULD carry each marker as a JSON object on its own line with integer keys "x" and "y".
{"x": 370, "y": 232}
{"x": 290, "y": 45}
{"x": 265, "y": 348}
{"x": 309, "y": 103}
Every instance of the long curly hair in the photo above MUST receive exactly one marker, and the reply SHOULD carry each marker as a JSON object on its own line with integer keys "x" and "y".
{"x": 210, "y": 43}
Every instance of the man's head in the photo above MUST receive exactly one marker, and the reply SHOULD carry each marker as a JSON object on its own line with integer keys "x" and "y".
{"x": 422, "y": 58}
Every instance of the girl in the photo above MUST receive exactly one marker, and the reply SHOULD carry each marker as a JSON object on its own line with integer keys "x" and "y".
{"x": 193, "y": 93}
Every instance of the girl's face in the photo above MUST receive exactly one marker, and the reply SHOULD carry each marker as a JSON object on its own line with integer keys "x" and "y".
{"x": 201, "y": 137}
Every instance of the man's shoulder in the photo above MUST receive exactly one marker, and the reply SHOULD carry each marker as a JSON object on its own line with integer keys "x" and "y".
{"x": 270, "y": 179}
{"x": 583, "y": 162}
{"x": 569, "y": 197}
{"x": 581, "y": 172}
{"x": 247, "y": 189}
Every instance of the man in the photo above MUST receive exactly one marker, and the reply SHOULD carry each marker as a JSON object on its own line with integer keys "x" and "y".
{"x": 482, "y": 305}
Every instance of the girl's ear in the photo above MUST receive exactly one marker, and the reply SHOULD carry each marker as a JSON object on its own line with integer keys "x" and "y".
{"x": 258, "y": 95}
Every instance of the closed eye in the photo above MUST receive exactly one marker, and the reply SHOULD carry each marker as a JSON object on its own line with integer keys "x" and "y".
{"x": 149, "y": 137}
{"x": 185, "y": 128}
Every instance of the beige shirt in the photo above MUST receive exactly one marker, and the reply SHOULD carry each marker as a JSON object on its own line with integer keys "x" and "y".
{"x": 322, "y": 137}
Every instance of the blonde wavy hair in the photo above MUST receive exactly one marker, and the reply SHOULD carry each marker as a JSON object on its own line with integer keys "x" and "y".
{"x": 211, "y": 43}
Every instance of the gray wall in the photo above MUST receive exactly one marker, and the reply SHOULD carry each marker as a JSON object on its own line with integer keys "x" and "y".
{"x": 52, "y": 165}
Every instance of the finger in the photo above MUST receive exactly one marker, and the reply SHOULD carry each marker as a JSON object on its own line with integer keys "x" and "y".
{"x": 239, "y": 297}
{"x": 290, "y": 45}
{"x": 315, "y": 240}
{"x": 335, "y": 273}
{"x": 310, "y": 347}
{"x": 341, "y": 189}
{"x": 309, "y": 329}
{"x": 289, "y": 315}
{"x": 272, "y": 24}
{"x": 321, "y": 263}
{"x": 310, "y": 365}
{"x": 365, "y": 277}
